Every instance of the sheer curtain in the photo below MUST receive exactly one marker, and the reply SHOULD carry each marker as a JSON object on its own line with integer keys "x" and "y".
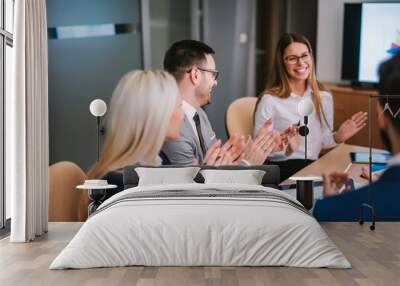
{"x": 27, "y": 124}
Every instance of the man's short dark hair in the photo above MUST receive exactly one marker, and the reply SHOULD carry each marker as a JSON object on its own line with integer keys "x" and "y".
{"x": 389, "y": 84}
{"x": 182, "y": 55}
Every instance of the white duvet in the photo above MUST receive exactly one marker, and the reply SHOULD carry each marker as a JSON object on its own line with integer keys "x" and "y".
{"x": 183, "y": 231}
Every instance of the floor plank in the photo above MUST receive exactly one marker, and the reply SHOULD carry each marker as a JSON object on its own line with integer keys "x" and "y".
{"x": 374, "y": 255}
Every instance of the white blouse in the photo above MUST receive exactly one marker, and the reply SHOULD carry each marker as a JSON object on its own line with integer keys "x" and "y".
{"x": 283, "y": 112}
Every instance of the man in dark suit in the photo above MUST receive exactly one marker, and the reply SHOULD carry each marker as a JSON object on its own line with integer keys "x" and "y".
{"x": 386, "y": 190}
{"x": 193, "y": 66}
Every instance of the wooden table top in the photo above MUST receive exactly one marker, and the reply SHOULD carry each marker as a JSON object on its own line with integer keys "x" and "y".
{"x": 338, "y": 159}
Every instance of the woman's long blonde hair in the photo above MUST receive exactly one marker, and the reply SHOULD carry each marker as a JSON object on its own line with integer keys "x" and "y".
{"x": 278, "y": 84}
{"x": 140, "y": 111}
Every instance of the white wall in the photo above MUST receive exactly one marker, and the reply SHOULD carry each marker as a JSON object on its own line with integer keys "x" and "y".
{"x": 329, "y": 39}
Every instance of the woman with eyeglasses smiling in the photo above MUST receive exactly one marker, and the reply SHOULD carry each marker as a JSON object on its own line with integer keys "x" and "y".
{"x": 292, "y": 80}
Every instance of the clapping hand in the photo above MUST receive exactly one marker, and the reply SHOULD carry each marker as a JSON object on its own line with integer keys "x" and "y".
{"x": 334, "y": 182}
{"x": 291, "y": 139}
{"x": 257, "y": 150}
{"x": 212, "y": 156}
{"x": 234, "y": 147}
{"x": 351, "y": 126}
{"x": 288, "y": 140}
{"x": 231, "y": 153}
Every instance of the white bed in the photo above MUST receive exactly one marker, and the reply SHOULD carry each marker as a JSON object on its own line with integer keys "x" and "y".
{"x": 201, "y": 224}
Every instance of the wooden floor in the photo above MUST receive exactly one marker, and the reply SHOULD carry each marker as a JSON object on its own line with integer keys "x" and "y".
{"x": 375, "y": 257}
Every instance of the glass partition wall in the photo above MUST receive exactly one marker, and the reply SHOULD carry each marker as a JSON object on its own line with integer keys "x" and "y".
{"x": 91, "y": 45}
{"x": 171, "y": 21}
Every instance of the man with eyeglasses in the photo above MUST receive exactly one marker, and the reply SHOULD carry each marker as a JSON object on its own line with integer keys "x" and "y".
{"x": 193, "y": 66}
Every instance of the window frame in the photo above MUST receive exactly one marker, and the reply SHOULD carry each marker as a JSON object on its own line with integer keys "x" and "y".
{"x": 6, "y": 39}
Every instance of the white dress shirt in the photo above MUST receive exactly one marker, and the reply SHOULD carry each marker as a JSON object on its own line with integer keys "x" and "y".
{"x": 190, "y": 111}
{"x": 159, "y": 161}
{"x": 394, "y": 161}
{"x": 284, "y": 114}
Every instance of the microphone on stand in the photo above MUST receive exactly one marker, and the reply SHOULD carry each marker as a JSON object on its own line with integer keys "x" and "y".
{"x": 305, "y": 108}
{"x": 304, "y": 185}
{"x": 98, "y": 108}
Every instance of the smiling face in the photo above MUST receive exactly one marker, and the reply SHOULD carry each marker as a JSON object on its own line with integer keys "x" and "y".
{"x": 207, "y": 81}
{"x": 298, "y": 61}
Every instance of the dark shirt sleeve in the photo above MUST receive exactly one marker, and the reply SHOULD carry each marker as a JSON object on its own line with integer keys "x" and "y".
{"x": 114, "y": 178}
{"x": 343, "y": 207}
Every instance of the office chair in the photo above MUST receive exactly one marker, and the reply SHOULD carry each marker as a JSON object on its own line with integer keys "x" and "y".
{"x": 66, "y": 203}
{"x": 239, "y": 117}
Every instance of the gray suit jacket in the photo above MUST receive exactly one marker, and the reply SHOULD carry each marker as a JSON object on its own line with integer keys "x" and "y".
{"x": 187, "y": 147}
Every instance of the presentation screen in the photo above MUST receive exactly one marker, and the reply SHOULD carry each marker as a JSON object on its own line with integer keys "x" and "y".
{"x": 380, "y": 37}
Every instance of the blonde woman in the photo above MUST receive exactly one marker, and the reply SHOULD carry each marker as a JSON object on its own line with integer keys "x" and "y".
{"x": 145, "y": 110}
{"x": 293, "y": 79}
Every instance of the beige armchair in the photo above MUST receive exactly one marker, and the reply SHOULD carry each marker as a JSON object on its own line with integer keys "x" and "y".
{"x": 66, "y": 203}
{"x": 240, "y": 116}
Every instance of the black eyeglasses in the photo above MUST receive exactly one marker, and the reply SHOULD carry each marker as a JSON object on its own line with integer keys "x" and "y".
{"x": 292, "y": 60}
{"x": 214, "y": 73}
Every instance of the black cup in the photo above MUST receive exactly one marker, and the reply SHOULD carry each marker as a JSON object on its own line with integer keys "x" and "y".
{"x": 305, "y": 193}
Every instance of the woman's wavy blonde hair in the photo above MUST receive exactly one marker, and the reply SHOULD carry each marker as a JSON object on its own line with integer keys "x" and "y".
{"x": 278, "y": 83}
{"x": 140, "y": 111}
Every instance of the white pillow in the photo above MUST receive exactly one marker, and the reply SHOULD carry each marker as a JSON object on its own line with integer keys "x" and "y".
{"x": 165, "y": 176}
{"x": 248, "y": 177}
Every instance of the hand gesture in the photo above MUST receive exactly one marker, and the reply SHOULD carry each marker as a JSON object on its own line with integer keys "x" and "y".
{"x": 212, "y": 154}
{"x": 257, "y": 150}
{"x": 334, "y": 182}
{"x": 234, "y": 149}
{"x": 231, "y": 153}
{"x": 366, "y": 175}
{"x": 351, "y": 126}
{"x": 291, "y": 139}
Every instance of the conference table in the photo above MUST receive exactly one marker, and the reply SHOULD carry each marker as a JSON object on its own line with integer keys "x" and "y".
{"x": 337, "y": 159}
